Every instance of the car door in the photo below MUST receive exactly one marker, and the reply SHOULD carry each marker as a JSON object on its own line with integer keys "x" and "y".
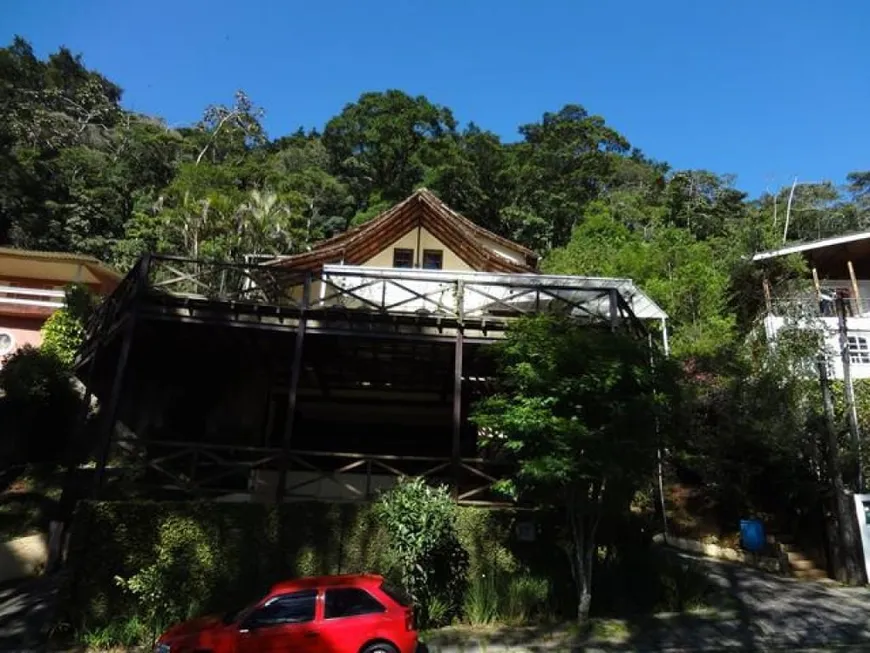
{"x": 282, "y": 624}
{"x": 351, "y": 617}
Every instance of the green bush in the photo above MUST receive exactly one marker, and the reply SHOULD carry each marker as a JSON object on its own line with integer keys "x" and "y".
{"x": 64, "y": 331}
{"x": 238, "y": 550}
{"x": 186, "y": 571}
{"x": 425, "y": 546}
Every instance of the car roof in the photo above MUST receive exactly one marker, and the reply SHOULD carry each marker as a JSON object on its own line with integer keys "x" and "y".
{"x": 310, "y": 582}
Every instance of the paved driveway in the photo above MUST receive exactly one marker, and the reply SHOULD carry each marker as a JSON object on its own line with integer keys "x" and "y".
{"x": 769, "y": 612}
{"x": 766, "y": 613}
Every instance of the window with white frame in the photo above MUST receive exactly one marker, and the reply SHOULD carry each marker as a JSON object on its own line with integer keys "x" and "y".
{"x": 859, "y": 350}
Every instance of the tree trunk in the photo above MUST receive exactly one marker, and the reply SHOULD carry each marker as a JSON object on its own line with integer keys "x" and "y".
{"x": 582, "y": 517}
{"x": 584, "y": 600}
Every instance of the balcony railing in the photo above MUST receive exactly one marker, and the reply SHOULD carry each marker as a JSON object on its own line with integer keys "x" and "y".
{"x": 441, "y": 295}
{"x": 31, "y": 297}
{"x": 812, "y": 307}
{"x": 215, "y": 470}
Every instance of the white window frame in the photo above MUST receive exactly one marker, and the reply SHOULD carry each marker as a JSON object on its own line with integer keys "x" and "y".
{"x": 859, "y": 349}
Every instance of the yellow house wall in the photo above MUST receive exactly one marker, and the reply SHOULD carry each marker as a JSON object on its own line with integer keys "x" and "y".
{"x": 384, "y": 258}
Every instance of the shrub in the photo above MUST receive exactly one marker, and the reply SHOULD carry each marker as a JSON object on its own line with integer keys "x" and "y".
{"x": 176, "y": 586}
{"x": 425, "y": 546}
{"x": 38, "y": 406}
{"x": 64, "y": 331}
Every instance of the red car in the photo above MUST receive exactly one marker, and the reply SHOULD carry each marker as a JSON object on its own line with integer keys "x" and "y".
{"x": 329, "y": 614}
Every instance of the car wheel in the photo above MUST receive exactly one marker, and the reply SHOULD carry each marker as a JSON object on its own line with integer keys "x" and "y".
{"x": 380, "y": 647}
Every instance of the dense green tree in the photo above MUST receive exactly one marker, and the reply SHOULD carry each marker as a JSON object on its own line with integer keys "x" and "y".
{"x": 564, "y": 162}
{"x": 381, "y": 145}
{"x": 578, "y": 409}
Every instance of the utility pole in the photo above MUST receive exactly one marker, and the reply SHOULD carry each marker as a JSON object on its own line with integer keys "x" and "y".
{"x": 849, "y": 386}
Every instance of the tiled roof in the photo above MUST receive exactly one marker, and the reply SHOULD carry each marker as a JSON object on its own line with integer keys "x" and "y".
{"x": 357, "y": 245}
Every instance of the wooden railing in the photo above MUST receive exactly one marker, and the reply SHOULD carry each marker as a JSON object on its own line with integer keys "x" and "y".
{"x": 219, "y": 470}
{"x": 456, "y": 296}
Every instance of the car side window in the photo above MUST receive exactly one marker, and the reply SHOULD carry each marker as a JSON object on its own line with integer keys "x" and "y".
{"x": 350, "y": 602}
{"x": 294, "y": 608}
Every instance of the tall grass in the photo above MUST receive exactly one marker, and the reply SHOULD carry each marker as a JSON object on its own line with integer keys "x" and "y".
{"x": 526, "y": 599}
{"x": 482, "y": 600}
{"x": 515, "y": 599}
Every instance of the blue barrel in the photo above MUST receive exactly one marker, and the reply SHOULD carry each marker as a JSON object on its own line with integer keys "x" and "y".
{"x": 752, "y": 535}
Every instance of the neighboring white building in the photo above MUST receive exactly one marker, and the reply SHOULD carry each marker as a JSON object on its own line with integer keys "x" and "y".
{"x": 840, "y": 266}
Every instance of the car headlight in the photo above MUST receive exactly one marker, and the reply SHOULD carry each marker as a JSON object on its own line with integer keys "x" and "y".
{"x": 162, "y": 648}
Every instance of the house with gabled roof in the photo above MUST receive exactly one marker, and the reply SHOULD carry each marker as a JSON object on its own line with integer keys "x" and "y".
{"x": 327, "y": 374}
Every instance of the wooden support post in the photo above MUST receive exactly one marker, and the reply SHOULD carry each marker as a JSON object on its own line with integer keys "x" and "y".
{"x": 456, "y": 456}
{"x": 817, "y": 285}
{"x": 291, "y": 393}
{"x": 110, "y": 418}
{"x": 614, "y": 308}
{"x": 107, "y": 426}
{"x": 856, "y": 293}
{"x": 768, "y": 302}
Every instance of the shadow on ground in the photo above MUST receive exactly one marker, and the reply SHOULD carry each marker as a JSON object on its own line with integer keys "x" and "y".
{"x": 26, "y": 610}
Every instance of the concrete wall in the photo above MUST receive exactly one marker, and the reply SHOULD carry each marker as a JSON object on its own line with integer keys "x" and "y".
{"x": 858, "y": 327}
{"x": 24, "y": 331}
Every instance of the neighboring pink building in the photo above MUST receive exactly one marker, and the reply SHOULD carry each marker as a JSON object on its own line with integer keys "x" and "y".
{"x": 32, "y": 288}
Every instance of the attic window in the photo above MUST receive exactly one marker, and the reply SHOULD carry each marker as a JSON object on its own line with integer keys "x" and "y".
{"x": 433, "y": 259}
{"x": 403, "y": 258}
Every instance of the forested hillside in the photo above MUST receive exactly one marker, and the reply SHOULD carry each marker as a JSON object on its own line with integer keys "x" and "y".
{"x": 82, "y": 174}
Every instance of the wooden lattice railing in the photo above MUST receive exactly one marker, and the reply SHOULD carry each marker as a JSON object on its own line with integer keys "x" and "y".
{"x": 457, "y": 297}
{"x": 213, "y": 470}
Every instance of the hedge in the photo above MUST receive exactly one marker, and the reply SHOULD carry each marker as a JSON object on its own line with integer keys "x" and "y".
{"x": 241, "y": 549}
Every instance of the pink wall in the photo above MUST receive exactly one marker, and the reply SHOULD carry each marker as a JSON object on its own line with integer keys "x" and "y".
{"x": 24, "y": 330}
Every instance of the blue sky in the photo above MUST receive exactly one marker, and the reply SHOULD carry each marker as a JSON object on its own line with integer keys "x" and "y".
{"x": 764, "y": 89}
